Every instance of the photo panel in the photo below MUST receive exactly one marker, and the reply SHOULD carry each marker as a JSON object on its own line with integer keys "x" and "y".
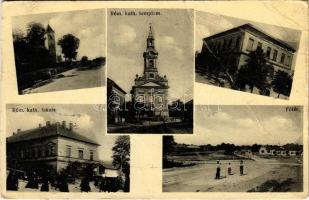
{"x": 150, "y": 73}
{"x": 59, "y": 51}
{"x": 237, "y": 148}
{"x": 64, "y": 148}
{"x": 245, "y": 55}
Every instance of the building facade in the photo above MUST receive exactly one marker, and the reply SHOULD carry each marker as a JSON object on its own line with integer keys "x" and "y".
{"x": 233, "y": 47}
{"x": 116, "y": 102}
{"x": 53, "y": 145}
{"x": 150, "y": 91}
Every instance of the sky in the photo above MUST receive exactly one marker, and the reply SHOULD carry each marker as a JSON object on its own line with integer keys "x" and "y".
{"x": 208, "y": 24}
{"x": 88, "y": 121}
{"x": 173, "y": 32}
{"x": 245, "y": 125}
{"x": 87, "y": 25}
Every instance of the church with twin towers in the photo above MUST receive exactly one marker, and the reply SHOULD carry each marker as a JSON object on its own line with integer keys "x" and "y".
{"x": 150, "y": 90}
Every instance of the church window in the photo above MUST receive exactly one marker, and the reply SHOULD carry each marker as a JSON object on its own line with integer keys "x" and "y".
{"x": 151, "y": 75}
{"x": 52, "y": 150}
{"x": 288, "y": 60}
{"x": 275, "y": 55}
{"x": 91, "y": 155}
{"x": 80, "y": 154}
{"x": 282, "y": 58}
{"x": 68, "y": 151}
{"x": 268, "y": 52}
{"x": 151, "y": 63}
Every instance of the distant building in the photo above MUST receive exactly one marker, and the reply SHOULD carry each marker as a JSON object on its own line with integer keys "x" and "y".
{"x": 150, "y": 90}
{"x": 51, "y": 43}
{"x": 233, "y": 46}
{"x": 116, "y": 102}
{"x": 269, "y": 150}
{"x": 53, "y": 145}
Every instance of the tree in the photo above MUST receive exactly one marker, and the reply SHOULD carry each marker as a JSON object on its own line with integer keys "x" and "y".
{"x": 36, "y": 34}
{"x": 256, "y": 73}
{"x": 84, "y": 60}
{"x": 69, "y": 44}
{"x": 121, "y": 152}
{"x": 282, "y": 83}
{"x": 168, "y": 145}
{"x": 121, "y": 158}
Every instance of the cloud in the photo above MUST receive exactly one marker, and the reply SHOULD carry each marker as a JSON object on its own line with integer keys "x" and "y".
{"x": 29, "y": 121}
{"x": 245, "y": 122}
{"x": 222, "y": 116}
{"x": 123, "y": 35}
{"x": 169, "y": 44}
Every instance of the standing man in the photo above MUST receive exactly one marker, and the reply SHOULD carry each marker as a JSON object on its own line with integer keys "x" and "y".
{"x": 229, "y": 169}
{"x": 218, "y": 170}
{"x": 241, "y": 167}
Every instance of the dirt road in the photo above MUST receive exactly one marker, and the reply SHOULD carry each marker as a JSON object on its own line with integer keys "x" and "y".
{"x": 75, "y": 79}
{"x": 200, "y": 178}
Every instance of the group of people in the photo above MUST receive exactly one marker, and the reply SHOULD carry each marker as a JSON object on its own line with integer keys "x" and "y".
{"x": 108, "y": 184}
{"x": 60, "y": 182}
{"x": 229, "y": 169}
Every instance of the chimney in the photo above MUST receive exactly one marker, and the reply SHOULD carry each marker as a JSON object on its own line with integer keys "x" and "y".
{"x": 64, "y": 124}
{"x": 14, "y": 133}
{"x": 18, "y": 130}
{"x": 47, "y": 123}
{"x": 70, "y": 126}
{"x": 57, "y": 126}
{"x": 40, "y": 125}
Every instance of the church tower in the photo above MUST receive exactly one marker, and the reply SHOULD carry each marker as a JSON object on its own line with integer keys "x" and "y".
{"x": 51, "y": 44}
{"x": 151, "y": 89}
{"x": 150, "y": 57}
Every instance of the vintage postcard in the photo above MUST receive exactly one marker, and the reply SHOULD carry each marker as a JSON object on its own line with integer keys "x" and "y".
{"x": 63, "y": 148}
{"x": 154, "y": 100}
{"x": 53, "y": 55}
{"x": 150, "y": 73}
{"x": 259, "y": 149}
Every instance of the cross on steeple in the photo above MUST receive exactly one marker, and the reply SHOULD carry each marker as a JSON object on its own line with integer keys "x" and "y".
{"x": 150, "y": 35}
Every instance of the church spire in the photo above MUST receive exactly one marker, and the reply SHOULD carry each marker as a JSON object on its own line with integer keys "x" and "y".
{"x": 150, "y": 38}
{"x": 150, "y": 35}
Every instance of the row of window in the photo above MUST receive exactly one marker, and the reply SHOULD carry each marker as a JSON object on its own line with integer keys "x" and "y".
{"x": 284, "y": 59}
{"x": 80, "y": 153}
{"x": 226, "y": 44}
{"x": 37, "y": 152}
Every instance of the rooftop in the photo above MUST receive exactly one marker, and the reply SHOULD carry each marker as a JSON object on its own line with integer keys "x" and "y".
{"x": 50, "y": 130}
{"x": 250, "y": 27}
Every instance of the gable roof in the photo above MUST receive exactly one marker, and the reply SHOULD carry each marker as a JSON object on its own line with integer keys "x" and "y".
{"x": 49, "y": 29}
{"x": 49, "y": 131}
{"x": 250, "y": 27}
{"x": 111, "y": 83}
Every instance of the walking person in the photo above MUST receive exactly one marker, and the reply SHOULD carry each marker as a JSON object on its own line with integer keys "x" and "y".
{"x": 241, "y": 167}
{"x": 218, "y": 170}
{"x": 229, "y": 169}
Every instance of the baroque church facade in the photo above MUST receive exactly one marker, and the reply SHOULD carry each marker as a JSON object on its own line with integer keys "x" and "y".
{"x": 150, "y": 91}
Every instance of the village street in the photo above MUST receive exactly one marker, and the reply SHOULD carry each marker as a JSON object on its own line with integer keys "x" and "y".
{"x": 74, "y": 79}
{"x": 200, "y": 178}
